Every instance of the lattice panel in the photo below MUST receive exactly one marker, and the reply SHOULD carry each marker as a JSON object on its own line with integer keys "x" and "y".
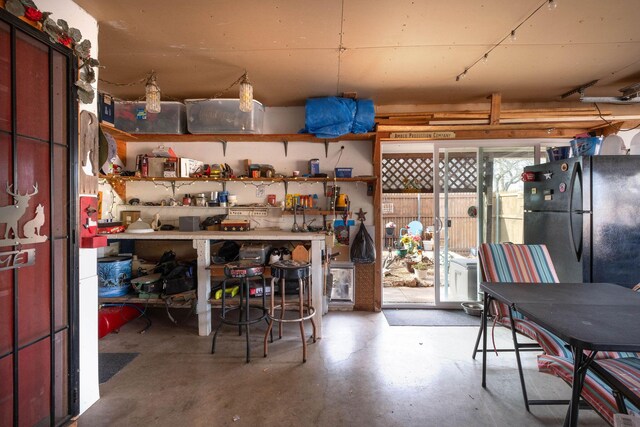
{"x": 462, "y": 174}
{"x": 406, "y": 174}
{"x": 415, "y": 174}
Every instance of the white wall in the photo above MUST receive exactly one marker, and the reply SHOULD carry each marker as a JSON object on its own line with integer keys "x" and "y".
{"x": 88, "y": 286}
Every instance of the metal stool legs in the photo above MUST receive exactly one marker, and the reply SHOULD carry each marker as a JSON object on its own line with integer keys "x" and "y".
{"x": 303, "y": 305}
{"x": 244, "y": 312}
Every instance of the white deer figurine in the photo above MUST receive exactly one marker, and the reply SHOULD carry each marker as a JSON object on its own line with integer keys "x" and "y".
{"x": 10, "y": 214}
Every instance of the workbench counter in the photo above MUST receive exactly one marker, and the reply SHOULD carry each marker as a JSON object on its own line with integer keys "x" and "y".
{"x": 201, "y": 242}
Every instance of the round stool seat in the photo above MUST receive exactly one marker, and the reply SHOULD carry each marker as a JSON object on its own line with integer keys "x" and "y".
{"x": 240, "y": 269}
{"x": 290, "y": 270}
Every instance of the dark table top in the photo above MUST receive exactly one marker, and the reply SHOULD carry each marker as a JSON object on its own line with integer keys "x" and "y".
{"x": 570, "y": 293}
{"x": 593, "y": 316}
{"x": 588, "y": 326}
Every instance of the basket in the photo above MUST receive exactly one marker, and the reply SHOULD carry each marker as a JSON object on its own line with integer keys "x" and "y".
{"x": 343, "y": 172}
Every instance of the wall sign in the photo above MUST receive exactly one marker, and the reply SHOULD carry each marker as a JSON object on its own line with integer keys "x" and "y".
{"x": 11, "y": 234}
{"x": 423, "y": 135}
{"x": 17, "y": 259}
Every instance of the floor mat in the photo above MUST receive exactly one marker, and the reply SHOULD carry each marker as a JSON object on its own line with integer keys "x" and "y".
{"x": 429, "y": 317}
{"x": 110, "y": 364}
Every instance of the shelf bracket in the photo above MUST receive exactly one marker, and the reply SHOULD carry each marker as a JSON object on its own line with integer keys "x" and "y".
{"x": 224, "y": 185}
{"x": 326, "y": 148}
{"x": 286, "y": 188}
{"x": 173, "y": 189}
{"x": 286, "y": 146}
{"x": 324, "y": 187}
{"x": 224, "y": 147}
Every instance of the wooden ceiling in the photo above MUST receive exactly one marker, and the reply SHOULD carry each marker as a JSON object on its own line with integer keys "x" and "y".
{"x": 399, "y": 52}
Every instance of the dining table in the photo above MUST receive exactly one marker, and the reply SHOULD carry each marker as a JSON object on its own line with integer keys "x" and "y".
{"x": 588, "y": 317}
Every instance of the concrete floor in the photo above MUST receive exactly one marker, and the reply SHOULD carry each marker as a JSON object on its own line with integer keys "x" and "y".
{"x": 362, "y": 373}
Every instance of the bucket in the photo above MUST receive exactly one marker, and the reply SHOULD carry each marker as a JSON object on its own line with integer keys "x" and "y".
{"x": 114, "y": 274}
{"x": 585, "y": 146}
{"x": 558, "y": 153}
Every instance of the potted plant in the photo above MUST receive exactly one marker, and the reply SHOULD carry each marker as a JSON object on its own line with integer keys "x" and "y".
{"x": 420, "y": 270}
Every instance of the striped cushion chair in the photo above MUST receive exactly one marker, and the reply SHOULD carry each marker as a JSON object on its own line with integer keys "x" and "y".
{"x": 526, "y": 264}
{"x": 595, "y": 391}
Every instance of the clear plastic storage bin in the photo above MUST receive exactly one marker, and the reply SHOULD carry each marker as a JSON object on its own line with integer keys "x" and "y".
{"x": 223, "y": 116}
{"x": 133, "y": 118}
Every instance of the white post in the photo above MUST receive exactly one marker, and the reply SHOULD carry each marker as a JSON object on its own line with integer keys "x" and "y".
{"x": 204, "y": 286}
{"x": 317, "y": 282}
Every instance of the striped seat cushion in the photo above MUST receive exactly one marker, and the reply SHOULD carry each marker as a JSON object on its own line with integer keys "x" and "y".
{"x": 595, "y": 391}
{"x": 507, "y": 262}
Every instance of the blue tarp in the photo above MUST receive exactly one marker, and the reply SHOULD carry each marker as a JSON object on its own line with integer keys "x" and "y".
{"x": 331, "y": 117}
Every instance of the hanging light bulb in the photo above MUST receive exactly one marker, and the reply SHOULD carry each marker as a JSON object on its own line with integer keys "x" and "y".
{"x": 513, "y": 36}
{"x": 246, "y": 94}
{"x": 152, "y": 94}
{"x": 552, "y": 4}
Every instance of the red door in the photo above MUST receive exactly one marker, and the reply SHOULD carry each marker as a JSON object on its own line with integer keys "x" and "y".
{"x": 37, "y": 310}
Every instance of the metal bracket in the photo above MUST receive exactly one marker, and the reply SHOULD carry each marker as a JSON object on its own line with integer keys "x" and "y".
{"x": 286, "y": 146}
{"x": 224, "y": 147}
{"x": 286, "y": 187}
{"x": 173, "y": 189}
{"x": 326, "y": 148}
{"x": 224, "y": 185}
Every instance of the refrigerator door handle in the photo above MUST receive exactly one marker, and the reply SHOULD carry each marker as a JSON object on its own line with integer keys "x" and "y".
{"x": 576, "y": 174}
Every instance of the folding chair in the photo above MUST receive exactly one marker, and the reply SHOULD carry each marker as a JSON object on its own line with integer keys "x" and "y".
{"x": 517, "y": 263}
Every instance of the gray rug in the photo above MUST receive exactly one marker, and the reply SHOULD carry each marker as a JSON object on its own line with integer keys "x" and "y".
{"x": 429, "y": 317}
{"x": 110, "y": 364}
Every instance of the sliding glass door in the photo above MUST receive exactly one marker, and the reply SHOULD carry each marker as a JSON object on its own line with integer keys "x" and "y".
{"x": 478, "y": 198}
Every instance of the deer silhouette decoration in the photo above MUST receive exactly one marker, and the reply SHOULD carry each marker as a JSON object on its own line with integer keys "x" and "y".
{"x": 11, "y": 214}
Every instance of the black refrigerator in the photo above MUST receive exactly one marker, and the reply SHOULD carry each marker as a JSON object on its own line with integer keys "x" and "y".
{"x": 587, "y": 211}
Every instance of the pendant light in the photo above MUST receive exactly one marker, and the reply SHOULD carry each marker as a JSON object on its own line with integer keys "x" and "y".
{"x": 246, "y": 94}
{"x": 152, "y": 94}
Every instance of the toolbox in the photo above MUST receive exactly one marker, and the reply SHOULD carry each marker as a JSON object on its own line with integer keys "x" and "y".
{"x": 256, "y": 252}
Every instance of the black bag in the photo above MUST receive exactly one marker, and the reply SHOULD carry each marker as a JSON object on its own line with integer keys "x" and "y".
{"x": 230, "y": 251}
{"x": 363, "y": 251}
{"x": 181, "y": 279}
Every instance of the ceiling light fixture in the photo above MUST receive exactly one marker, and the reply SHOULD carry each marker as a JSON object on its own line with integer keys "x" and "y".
{"x": 551, "y": 4}
{"x": 245, "y": 94}
{"x": 152, "y": 94}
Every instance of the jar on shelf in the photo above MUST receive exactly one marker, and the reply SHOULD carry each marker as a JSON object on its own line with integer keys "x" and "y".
{"x": 186, "y": 200}
{"x": 200, "y": 200}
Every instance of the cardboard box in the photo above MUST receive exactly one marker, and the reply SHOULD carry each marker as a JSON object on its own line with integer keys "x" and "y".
{"x": 128, "y": 217}
{"x": 170, "y": 168}
{"x": 235, "y": 225}
{"x": 156, "y": 167}
{"x": 189, "y": 166}
{"x": 105, "y": 109}
{"x": 189, "y": 223}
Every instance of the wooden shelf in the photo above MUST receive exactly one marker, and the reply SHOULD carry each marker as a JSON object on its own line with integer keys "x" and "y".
{"x": 317, "y": 212}
{"x": 247, "y": 137}
{"x": 119, "y": 182}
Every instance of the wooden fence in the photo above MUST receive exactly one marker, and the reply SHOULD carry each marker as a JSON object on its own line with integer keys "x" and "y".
{"x": 402, "y": 208}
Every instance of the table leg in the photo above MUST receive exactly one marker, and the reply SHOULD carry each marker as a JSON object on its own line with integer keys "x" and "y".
{"x": 580, "y": 365}
{"x": 518, "y": 361}
{"x": 483, "y": 322}
{"x": 203, "y": 307}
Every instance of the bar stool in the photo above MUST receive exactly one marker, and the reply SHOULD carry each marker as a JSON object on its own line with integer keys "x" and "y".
{"x": 245, "y": 271}
{"x": 291, "y": 270}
